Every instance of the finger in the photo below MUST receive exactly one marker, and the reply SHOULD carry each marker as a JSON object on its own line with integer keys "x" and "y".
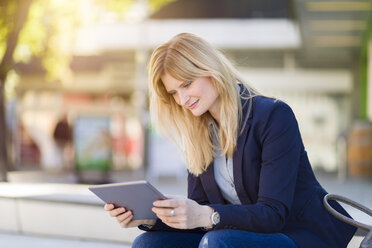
{"x": 127, "y": 222}
{"x": 109, "y": 206}
{"x": 170, "y": 219}
{"x": 116, "y": 212}
{"x": 164, "y": 211}
{"x": 169, "y": 203}
{"x": 120, "y": 218}
{"x": 176, "y": 221}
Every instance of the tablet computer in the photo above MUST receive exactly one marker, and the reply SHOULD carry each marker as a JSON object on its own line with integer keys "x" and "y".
{"x": 137, "y": 196}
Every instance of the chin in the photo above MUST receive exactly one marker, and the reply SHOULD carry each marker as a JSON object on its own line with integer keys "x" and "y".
{"x": 197, "y": 112}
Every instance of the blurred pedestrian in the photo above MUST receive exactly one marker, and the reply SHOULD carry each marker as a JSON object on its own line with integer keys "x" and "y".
{"x": 250, "y": 183}
{"x": 63, "y": 137}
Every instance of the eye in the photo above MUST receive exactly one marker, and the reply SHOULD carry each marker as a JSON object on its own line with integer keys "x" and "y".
{"x": 172, "y": 93}
{"x": 187, "y": 84}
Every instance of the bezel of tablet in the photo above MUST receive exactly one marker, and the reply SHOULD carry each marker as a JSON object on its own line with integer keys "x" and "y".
{"x": 137, "y": 196}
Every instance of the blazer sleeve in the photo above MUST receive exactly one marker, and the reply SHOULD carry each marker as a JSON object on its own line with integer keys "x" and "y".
{"x": 281, "y": 147}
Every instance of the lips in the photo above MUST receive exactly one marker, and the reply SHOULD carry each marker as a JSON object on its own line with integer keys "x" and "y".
{"x": 193, "y": 105}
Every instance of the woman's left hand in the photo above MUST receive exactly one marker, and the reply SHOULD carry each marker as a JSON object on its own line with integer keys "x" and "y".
{"x": 183, "y": 213}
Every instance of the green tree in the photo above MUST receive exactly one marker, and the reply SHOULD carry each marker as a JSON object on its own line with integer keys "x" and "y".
{"x": 13, "y": 15}
{"x": 32, "y": 28}
{"x": 43, "y": 29}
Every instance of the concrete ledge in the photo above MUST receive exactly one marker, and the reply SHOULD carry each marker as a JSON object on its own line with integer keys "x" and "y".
{"x": 9, "y": 220}
{"x": 58, "y": 211}
{"x": 71, "y": 220}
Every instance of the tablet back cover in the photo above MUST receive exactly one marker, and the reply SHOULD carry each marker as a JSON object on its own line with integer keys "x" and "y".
{"x": 137, "y": 196}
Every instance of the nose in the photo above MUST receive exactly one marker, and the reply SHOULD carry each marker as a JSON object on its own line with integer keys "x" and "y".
{"x": 183, "y": 98}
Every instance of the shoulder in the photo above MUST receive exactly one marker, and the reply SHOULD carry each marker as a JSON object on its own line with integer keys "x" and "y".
{"x": 264, "y": 108}
{"x": 270, "y": 119}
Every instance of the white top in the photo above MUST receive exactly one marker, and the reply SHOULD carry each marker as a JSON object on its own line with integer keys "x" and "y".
{"x": 223, "y": 174}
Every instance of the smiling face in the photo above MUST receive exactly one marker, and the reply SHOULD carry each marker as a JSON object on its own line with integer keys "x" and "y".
{"x": 199, "y": 96}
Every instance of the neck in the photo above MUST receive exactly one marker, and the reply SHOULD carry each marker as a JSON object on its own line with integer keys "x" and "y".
{"x": 215, "y": 112}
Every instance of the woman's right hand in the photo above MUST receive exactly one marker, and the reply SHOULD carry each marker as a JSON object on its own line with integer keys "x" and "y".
{"x": 124, "y": 217}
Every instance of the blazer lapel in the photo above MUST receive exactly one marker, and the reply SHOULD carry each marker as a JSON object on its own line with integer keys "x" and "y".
{"x": 210, "y": 186}
{"x": 238, "y": 155}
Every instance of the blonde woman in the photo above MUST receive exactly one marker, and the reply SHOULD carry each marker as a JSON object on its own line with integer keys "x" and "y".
{"x": 250, "y": 182}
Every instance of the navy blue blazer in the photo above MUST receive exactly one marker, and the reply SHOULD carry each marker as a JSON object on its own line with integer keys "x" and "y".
{"x": 274, "y": 182}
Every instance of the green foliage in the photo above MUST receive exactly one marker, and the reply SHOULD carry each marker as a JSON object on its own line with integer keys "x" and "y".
{"x": 121, "y": 7}
{"x": 61, "y": 22}
{"x": 51, "y": 26}
{"x": 47, "y": 35}
{"x": 7, "y": 10}
{"x": 31, "y": 38}
{"x": 155, "y": 5}
{"x": 115, "y": 5}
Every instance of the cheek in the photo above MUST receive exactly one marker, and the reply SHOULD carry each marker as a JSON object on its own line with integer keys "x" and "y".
{"x": 176, "y": 99}
{"x": 213, "y": 93}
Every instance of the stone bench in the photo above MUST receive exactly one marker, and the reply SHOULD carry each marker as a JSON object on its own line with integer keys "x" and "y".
{"x": 58, "y": 210}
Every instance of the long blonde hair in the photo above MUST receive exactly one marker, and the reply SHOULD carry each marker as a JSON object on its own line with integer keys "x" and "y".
{"x": 186, "y": 57}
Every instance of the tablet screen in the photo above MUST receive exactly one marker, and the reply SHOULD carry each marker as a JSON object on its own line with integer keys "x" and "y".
{"x": 137, "y": 196}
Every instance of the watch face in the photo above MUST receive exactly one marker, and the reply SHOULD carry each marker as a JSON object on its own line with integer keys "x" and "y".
{"x": 215, "y": 218}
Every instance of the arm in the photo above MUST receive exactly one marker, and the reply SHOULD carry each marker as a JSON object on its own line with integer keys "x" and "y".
{"x": 281, "y": 147}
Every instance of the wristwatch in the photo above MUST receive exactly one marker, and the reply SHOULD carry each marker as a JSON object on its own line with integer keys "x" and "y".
{"x": 215, "y": 218}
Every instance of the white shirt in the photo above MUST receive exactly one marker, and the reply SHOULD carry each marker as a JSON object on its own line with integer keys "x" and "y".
{"x": 223, "y": 174}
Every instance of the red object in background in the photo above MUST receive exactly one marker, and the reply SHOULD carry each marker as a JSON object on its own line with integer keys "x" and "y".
{"x": 131, "y": 146}
{"x": 76, "y": 98}
{"x": 29, "y": 150}
{"x": 127, "y": 146}
{"x": 118, "y": 144}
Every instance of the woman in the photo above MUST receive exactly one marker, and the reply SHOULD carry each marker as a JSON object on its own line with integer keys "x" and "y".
{"x": 250, "y": 183}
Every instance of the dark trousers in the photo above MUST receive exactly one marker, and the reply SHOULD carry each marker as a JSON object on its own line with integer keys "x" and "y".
{"x": 225, "y": 238}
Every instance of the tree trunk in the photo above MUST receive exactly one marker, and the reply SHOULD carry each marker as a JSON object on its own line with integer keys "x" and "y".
{"x": 3, "y": 144}
{"x": 20, "y": 17}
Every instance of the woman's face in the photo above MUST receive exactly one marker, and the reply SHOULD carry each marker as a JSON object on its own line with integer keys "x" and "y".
{"x": 199, "y": 96}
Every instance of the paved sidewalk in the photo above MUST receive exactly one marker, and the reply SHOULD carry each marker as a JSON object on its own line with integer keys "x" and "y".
{"x": 9, "y": 240}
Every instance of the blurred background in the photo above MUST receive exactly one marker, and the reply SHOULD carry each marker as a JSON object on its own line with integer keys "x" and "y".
{"x": 74, "y": 107}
